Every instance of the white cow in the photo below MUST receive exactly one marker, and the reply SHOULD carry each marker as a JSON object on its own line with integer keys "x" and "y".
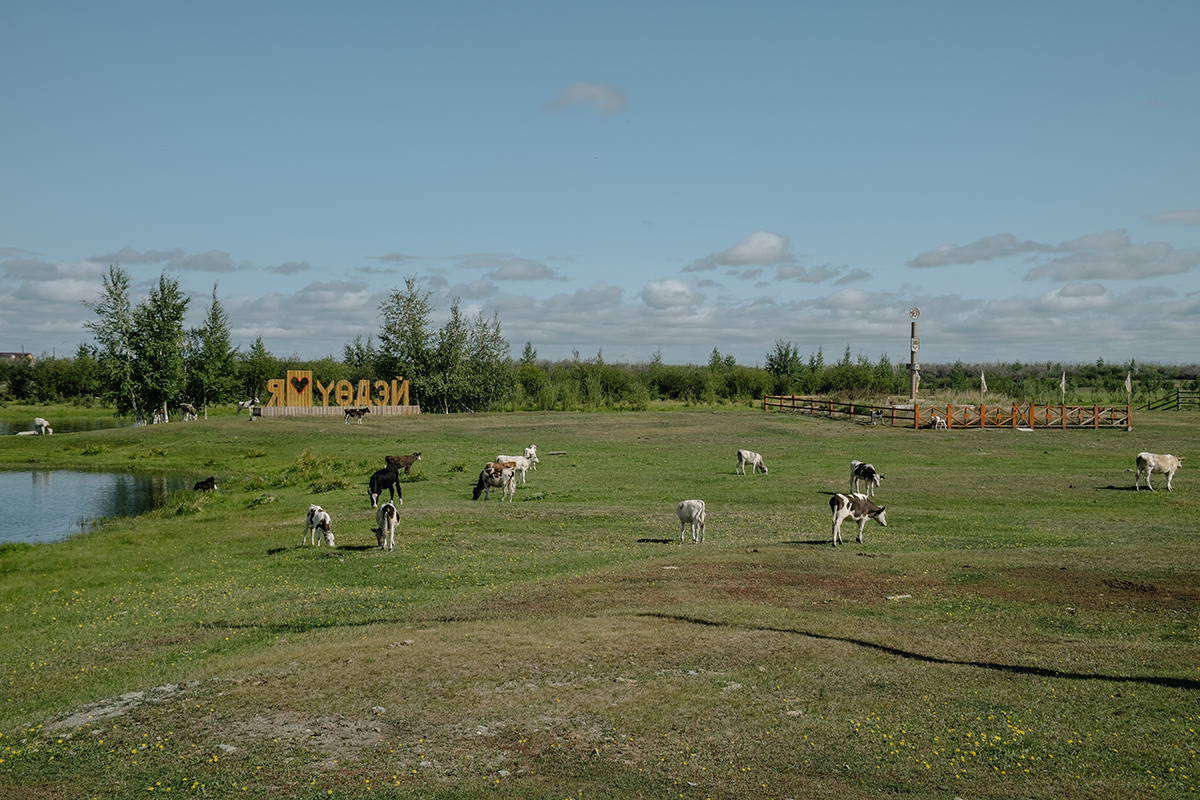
{"x": 1152, "y": 462}
{"x": 318, "y": 520}
{"x": 856, "y": 507}
{"x": 752, "y": 458}
{"x": 386, "y": 518}
{"x": 42, "y": 426}
{"x": 860, "y": 471}
{"x": 531, "y": 454}
{"x": 691, "y": 512}
{"x": 520, "y": 464}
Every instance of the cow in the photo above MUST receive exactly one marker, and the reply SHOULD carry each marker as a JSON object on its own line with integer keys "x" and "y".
{"x": 386, "y": 518}
{"x": 42, "y": 426}
{"x": 1153, "y": 462}
{"x": 386, "y": 478}
{"x": 207, "y": 485}
{"x": 496, "y": 476}
{"x": 856, "y": 507}
{"x": 188, "y": 411}
{"x": 752, "y": 458}
{"x": 318, "y": 519}
{"x": 939, "y": 423}
{"x": 691, "y": 512}
{"x": 248, "y": 405}
{"x": 402, "y": 462}
{"x": 356, "y": 413}
{"x": 864, "y": 472}
{"x": 521, "y": 464}
{"x": 531, "y": 454}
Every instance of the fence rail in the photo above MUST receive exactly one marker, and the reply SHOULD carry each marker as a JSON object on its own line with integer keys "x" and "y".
{"x": 952, "y": 416}
{"x": 1183, "y": 398}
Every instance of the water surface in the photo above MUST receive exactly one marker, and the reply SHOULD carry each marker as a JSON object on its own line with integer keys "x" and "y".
{"x": 47, "y": 505}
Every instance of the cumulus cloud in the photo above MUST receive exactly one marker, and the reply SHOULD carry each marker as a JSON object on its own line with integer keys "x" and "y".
{"x": 759, "y": 249}
{"x": 175, "y": 260}
{"x": 1112, "y": 256}
{"x": 603, "y": 98}
{"x": 671, "y": 293}
{"x": 290, "y": 268}
{"x": 1001, "y": 245}
{"x": 1189, "y": 216}
{"x": 799, "y": 274}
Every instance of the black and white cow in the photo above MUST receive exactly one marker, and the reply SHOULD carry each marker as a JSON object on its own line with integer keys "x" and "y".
{"x": 864, "y": 472}
{"x": 856, "y": 507}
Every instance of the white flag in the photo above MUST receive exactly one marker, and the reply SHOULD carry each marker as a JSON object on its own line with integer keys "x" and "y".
{"x": 982, "y": 383}
{"x": 1063, "y": 384}
{"x": 1128, "y": 383}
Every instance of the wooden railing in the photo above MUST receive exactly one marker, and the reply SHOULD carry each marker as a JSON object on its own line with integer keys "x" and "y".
{"x": 1182, "y": 398}
{"x": 952, "y": 416}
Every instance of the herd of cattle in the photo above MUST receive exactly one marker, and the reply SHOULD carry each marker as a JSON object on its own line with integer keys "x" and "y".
{"x": 502, "y": 474}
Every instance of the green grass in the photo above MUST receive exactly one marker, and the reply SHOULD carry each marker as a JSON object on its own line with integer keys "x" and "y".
{"x": 1026, "y": 625}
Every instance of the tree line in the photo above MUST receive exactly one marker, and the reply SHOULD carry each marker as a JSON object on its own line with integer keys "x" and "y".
{"x": 144, "y": 359}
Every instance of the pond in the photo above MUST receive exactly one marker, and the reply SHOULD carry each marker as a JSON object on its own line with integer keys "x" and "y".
{"x": 68, "y": 425}
{"x": 48, "y": 505}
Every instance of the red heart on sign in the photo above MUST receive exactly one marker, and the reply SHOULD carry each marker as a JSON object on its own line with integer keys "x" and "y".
{"x": 299, "y": 384}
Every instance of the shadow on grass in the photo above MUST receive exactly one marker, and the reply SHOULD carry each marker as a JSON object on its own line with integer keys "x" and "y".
{"x": 657, "y": 541}
{"x": 1014, "y": 669}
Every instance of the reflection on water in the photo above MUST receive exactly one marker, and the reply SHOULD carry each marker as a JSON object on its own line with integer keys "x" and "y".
{"x": 45, "y": 505}
{"x": 68, "y": 425}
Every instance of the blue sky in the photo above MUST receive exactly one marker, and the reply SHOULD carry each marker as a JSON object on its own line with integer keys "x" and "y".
{"x": 616, "y": 178}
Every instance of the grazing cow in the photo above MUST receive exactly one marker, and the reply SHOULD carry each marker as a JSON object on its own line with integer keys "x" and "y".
{"x": 188, "y": 411}
{"x": 356, "y": 413}
{"x": 1152, "y": 462}
{"x": 42, "y": 426}
{"x": 752, "y": 458}
{"x": 246, "y": 404}
{"x": 402, "y": 462}
{"x": 531, "y": 454}
{"x": 691, "y": 512}
{"x": 386, "y": 478}
{"x": 318, "y": 520}
{"x": 864, "y": 472}
{"x": 855, "y": 507}
{"x": 520, "y": 463}
{"x": 386, "y": 518}
{"x": 494, "y": 476}
{"x": 939, "y": 423}
{"x": 207, "y": 485}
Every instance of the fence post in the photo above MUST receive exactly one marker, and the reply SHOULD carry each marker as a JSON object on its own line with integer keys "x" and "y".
{"x": 1095, "y": 417}
{"x": 916, "y": 416}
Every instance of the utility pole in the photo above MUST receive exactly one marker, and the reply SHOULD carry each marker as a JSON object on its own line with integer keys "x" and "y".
{"x": 914, "y": 369}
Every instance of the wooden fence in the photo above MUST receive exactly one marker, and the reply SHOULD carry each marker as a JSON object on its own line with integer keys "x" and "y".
{"x": 960, "y": 416}
{"x": 1183, "y": 398}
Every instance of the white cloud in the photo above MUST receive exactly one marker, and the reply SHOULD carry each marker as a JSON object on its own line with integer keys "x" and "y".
{"x": 603, "y": 98}
{"x": 1189, "y": 216}
{"x": 1001, "y": 245}
{"x": 760, "y": 249}
{"x": 671, "y": 293}
{"x": 1112, "y": 256}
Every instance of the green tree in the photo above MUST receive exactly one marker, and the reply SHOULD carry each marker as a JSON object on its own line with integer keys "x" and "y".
{"x": 212, "y": 367}
{"x": 256, "y": 368}
{"x": 113, "y": 331}
{"x": 490, "y": 363}
{"x": 406, "y": 336}
{"x": 159, "y": 368}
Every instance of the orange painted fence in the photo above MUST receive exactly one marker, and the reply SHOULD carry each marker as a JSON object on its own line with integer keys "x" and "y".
{"x": 961, "y": 416}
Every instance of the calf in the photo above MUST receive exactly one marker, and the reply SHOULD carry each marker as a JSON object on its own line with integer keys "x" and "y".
{"x": 386, "y": 478}
{"x": 864, "y": 472}
{"x": 356, "y": 413}
{"x": 188, "y": 411}
{"x": 402, "y": 462}
{"x": 1152, "y": 462}
{"x": 876, "y": 416}
{"x": 386, "y": 518}
{"x": 42, "y": 426}
{"x": 691, "y": 512}
{"x": 531, "y": 454}
{"x": 246, "y": 404}
{"x": 939, "y": 423}
{"x": 318, "y": 520}
{"x": 207, "y": 485}
{"x": 520, "y": 463}
{"x": 755, "y": 461}
{"x": 855, "y": 507}
{"x": 496, "y": 476}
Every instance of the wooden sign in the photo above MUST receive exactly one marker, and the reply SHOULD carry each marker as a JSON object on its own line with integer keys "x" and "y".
{"x": 296, "y": 391}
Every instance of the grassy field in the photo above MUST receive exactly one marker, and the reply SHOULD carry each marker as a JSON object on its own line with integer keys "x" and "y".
{"x": 1026, "y": 626}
